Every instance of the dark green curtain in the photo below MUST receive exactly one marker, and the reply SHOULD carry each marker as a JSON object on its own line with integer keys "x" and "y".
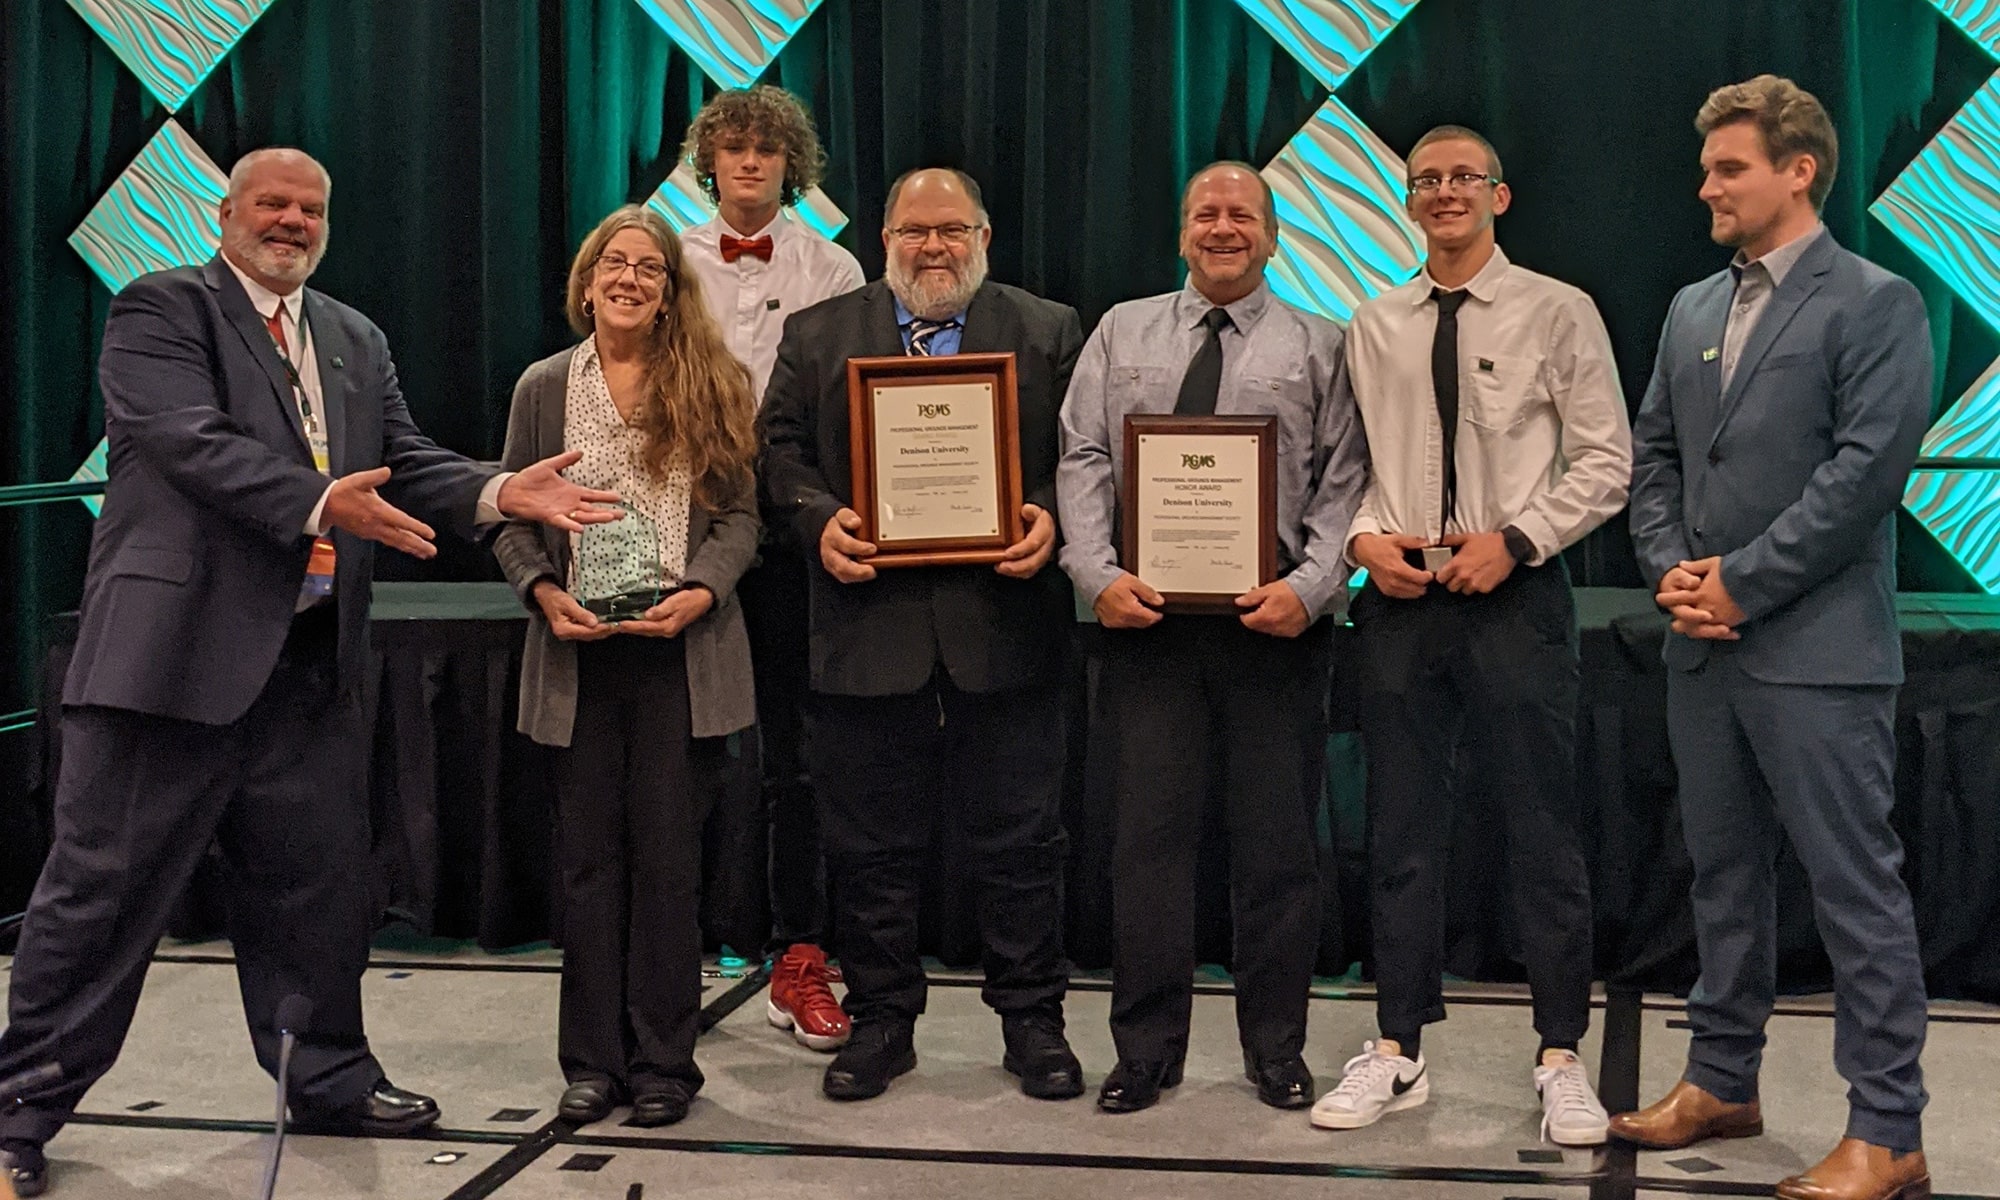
{"x": 473, "y": 142}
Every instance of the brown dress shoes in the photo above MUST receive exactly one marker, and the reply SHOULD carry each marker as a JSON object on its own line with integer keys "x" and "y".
{"x": 1685, "y": 1116}
{"x": 1857, "y": 1170}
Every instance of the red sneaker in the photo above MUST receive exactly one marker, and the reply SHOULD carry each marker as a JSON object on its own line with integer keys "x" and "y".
{"x": 801, "y": 1001}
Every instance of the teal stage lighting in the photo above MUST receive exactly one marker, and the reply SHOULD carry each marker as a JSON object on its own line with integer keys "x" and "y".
{"x": 1946, "y": 208}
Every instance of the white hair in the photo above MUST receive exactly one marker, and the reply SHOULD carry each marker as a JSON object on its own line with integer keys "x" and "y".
{"x": 241, "y": 171}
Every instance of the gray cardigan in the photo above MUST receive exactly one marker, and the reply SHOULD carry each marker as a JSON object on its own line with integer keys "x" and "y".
{"x": 721, "y": 546}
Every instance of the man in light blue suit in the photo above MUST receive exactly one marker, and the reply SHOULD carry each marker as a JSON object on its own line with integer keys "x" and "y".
{"x": 1785, "y": 411}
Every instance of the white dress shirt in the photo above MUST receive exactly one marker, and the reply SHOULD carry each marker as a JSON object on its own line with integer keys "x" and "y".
{"x": 1543, "y": 442}
{"x": 299, "y": 348}
{"x": 751, "y": 298}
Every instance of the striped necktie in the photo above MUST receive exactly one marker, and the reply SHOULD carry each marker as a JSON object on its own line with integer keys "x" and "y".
{"x": 923, "y": 333}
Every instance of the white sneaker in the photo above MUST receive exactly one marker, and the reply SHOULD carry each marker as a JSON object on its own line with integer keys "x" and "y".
{"x": 1571, "y": 1114}
{"x": 1372, "y": 1083}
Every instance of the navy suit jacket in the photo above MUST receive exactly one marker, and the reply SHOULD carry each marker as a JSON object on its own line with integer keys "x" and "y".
{"x": 200, "y": 552}
{"x": 885, "y": 637}
{"x": 1794, "y": 472}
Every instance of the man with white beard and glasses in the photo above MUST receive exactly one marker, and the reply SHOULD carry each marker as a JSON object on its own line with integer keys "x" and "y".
{"x": 935, "y": 691}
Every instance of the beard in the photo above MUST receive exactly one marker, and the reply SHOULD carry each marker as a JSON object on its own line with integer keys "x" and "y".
{"x": 932, "y": 299}
{"x": 249, "y": 248}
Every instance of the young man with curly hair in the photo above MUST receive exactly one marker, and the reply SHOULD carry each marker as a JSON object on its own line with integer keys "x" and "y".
{"x": 756, "y": 153}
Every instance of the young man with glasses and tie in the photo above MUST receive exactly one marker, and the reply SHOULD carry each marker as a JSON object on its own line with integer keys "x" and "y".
{"x": 1497, "y": 437}
{"x": 1224, "y": 707}
{"x": 756, "y": 154}
{"x": 936, "y": 691}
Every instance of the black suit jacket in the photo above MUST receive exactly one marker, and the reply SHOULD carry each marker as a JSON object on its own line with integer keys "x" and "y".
{"x": 198, "y": 556}
{"x": 887, "y": 636}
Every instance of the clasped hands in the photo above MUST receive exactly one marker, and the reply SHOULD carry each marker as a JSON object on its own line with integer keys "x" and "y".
{"x": 1694, "y": 596}
{"x": 572, "y": 622}
{"x": 1481, "y": 563}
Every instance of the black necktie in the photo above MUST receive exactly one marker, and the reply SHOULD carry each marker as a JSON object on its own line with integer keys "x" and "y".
{"x": 1203, "y": 381}
{"x": 1444, "y": 381}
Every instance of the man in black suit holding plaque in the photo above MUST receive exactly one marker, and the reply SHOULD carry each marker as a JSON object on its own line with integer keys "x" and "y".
{"x": 1242, "y": 693}
{"x": 935, "y": 689}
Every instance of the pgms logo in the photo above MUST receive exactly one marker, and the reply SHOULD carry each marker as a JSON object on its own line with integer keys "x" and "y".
{"x": 1197, "y": 462}
{"x": 931, "y": 412}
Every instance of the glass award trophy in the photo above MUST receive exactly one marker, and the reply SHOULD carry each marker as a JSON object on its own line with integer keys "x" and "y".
{"x": 618, "y": 569}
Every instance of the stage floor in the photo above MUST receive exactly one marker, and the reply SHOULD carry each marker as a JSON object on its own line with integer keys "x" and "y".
{"x": 180, "y": 1115}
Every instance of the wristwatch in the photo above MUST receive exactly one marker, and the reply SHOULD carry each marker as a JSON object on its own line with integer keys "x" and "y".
{"x": 1518, "y": 544}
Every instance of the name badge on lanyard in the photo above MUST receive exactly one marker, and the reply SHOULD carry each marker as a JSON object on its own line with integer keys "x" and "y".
{"x": 321, "y": 563}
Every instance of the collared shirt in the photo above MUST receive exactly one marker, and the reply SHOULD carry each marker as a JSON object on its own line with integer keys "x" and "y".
{"x": 1543, "y": 444}
{"x": 1756, "y": 280}
{"x": 300, "y": 347}
{"x": 751, "y": 298}
{"x": 614, "y": 459}
{"x": 945, "y": 341}
{"x": 1275, "y": 360}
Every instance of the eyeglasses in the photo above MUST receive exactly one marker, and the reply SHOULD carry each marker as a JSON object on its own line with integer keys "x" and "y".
{"x": 1424, "y": 185}
{"x": 649, "y": 271}
{"x": 914, "y": 236}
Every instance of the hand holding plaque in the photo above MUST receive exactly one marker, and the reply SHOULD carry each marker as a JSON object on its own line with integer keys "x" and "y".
{"x": 618, "y": 569}
{"x": 935, "y": 444}
{"x": 1199, "y": 508}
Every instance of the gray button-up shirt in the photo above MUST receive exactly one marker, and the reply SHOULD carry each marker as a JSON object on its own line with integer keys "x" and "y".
{"x": 1755, "y": 281}
{"x": 1277, "y": 361}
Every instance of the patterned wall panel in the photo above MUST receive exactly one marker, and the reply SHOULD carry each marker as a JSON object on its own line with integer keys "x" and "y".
{"x": 1945, "y": 207}
{"x": 1346, "y": 235}
{"x": 159, "y": 213}
{"x": 171, "y": 45}
{"x": 733, "y": 41}
{"x": 1328, "y": 37}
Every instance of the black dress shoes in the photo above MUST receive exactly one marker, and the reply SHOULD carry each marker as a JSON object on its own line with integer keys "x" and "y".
{"x": 588, "y": 1100}
{"x": 23, "y": 1166}
{"x": 1040, "y": 1055}
{"x": 1281, "y": 1082}
{"x": 386, "y": 1111}
{"x": 876, "y": 1053}
{"x": 1133, "y": 1086}
{"x": 666, "y": 1104}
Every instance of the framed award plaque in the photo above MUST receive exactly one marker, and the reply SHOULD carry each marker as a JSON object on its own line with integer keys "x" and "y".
{"x": 936, "y": 449}
{"x": 1199, "y": 507}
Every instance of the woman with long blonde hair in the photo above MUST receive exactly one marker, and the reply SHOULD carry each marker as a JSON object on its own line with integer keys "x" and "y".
{"x": 635, "y": 683}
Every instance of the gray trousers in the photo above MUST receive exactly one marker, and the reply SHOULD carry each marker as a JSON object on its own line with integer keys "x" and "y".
{"x": 1817, "y": 763}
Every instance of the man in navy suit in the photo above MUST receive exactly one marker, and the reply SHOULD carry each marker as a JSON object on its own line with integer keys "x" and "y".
{"x": 1786, "y": 407}
{"x": 259, "y": 449}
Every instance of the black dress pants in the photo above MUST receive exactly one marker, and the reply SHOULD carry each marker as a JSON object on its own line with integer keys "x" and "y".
{"x": 1481, "y": 689}
{"x": 629, "y": 816}
{"x": 886, "y": 769}
{"x": 775, "y": 610}
{"x": 139, "y": 801}
{"x": 1206, "y": 711}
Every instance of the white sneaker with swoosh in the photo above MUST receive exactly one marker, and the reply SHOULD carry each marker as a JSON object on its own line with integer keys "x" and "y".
{"x": 1373, "y": 1083}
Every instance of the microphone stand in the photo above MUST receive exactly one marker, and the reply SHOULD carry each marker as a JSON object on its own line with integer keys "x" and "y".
{"x": 293, "y": 1014}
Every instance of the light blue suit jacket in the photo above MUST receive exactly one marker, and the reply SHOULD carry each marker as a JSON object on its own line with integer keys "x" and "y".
{"x": 1794, "y": 472}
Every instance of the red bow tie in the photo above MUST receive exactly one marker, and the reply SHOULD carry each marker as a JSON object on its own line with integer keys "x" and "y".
{"x": 734, "y": 248}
